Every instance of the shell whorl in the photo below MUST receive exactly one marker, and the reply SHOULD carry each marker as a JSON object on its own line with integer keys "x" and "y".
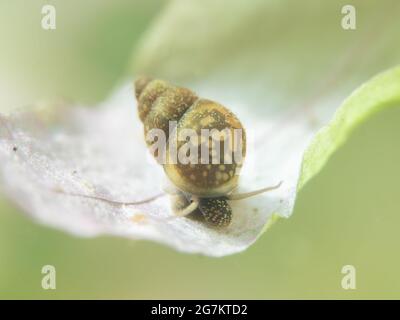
{"x": 158, "y": 103}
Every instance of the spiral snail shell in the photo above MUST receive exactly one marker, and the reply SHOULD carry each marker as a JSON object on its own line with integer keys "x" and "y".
{"x": 204, "y": 186}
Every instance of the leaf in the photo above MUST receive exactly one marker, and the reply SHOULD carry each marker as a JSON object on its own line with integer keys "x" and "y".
{"x": 283, "y": 80}
{"x": 381, "y": 92}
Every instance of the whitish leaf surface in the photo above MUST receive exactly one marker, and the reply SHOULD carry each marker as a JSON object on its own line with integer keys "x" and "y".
{"x": 284, "y": 82}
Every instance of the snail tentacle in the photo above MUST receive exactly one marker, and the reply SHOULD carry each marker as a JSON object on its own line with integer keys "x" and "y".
{"x": 113, "y": 202}
{"x": 189, "y": 209}
{"x": 240, "y": 196}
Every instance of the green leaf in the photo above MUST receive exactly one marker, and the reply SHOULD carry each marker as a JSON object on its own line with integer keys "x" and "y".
{"x": 380, "y": 92}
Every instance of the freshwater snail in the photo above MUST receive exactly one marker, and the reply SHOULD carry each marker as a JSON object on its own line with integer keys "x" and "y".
{"x": 194, "y": 130}
{"x": 204, "y": 177}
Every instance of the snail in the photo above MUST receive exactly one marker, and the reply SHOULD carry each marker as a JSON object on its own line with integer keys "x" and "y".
{"x": 204, "y": 181}
{"x": 203, "y": 186}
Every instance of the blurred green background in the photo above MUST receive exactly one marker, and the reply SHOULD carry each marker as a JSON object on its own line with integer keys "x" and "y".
{"x": 348, "y": 214}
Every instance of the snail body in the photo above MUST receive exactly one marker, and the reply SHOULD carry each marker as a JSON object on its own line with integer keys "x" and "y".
{"x": 206, "y": 183}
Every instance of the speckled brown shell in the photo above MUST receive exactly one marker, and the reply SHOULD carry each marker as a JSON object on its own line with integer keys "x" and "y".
{"x": 159, "y": 103}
